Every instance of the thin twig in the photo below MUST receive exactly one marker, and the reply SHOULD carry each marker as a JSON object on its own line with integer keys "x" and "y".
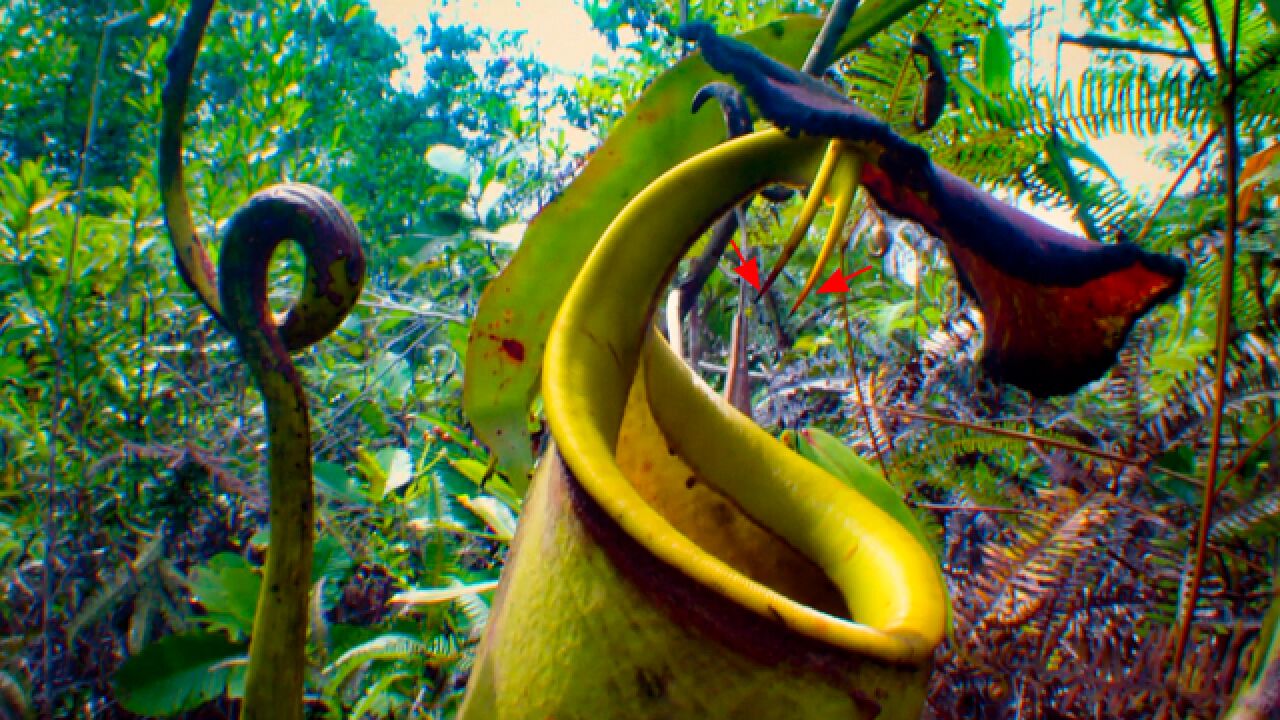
{"x": 1173, "y": 186}
{"x": 59, "y": 366}
{"x": 1015, "y": 434}
{"x": 1248, "y": 452}
{"x": 972, "y": 508}
{"x": 1096, "y": 41}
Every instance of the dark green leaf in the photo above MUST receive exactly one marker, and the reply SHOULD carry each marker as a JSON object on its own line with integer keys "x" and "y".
{"x": 177, "y": 673}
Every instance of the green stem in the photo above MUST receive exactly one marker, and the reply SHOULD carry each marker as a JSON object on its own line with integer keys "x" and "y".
{"x": 193, "y": 261}
{"x": 60, "y": 356}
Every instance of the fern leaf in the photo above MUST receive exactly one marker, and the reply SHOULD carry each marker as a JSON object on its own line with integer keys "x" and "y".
{"x": 388, "y": 646}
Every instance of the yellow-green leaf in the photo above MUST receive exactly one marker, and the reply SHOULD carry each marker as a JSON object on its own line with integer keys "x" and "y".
{"x": 508, "y": 336}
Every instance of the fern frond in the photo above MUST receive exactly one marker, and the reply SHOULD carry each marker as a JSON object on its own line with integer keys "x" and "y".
{"x": 881, "y": 75}
{"x": 444, "y": 649}
{"x": 1003, "y": 135}
{"x": 379, "y": 700}
{"x": 475, "y": 610}
{"x": 388, "y": 646}
{"x": 1259, "y": 62}
{"x": 1025, "y": 574}
{"x": 1259, "y": 517}
{"x": 1254, "y": 372}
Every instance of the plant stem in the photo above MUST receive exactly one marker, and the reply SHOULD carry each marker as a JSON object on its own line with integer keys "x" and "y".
{"x": 1173, "y": 186}
{"x": 824, "y": 46}
{"x": 59, "y": 366}
{"x": 1016, "y": 434}
{"x": 853, "y": 375}
{"x": 1098, "y": 41}
{"x": 1226, "y": 65}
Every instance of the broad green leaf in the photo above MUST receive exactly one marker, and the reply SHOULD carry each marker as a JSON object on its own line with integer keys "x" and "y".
{"x": 329, "y": 560}
{"x": 373, "y": 472}
{"x": 829, "y": 453}
{"x": 333, "y": 481}
{"x": 996, "y": 70}
{"x": 227, "y": 587}
{"x": 471, "y": 469}
{"x": 508, "y": 336}
{"x": 178, "y": 673}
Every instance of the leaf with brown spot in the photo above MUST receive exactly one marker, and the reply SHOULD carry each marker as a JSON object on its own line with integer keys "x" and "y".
{"x": 657, "y": 134}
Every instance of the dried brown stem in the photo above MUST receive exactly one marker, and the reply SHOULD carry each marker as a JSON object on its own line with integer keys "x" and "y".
{"x": 1226, "y": 66}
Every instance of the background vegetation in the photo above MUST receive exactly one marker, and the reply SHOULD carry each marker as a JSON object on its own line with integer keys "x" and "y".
{"x": 131, "y": 440}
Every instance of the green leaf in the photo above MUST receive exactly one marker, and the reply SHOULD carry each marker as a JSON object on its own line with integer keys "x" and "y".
{"x": 227, "y": 587}
{"x": 996, "y": 64}
{"x": 373, "y": 471}
{"x": 1273, "y": 10}
{"x": 389, "y": 646}
{"x": 494, "y": 513}
{"x": 510, "y": 329}
{"x": 397, "y": 465}
{"x": 330, "y": 560}
{"x": 827, "y": 452}
{"x": 178, "y": 673}
{"x": 334, "y": 482}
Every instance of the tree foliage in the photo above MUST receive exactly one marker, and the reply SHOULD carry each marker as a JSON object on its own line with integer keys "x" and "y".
{"x": 131, "y": 446}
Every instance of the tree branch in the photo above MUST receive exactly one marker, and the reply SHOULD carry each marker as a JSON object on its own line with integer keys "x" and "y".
{"x": 1097, "y": 41}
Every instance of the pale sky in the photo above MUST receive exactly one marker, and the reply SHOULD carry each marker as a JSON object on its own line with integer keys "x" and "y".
{"x": 559, "y": 33}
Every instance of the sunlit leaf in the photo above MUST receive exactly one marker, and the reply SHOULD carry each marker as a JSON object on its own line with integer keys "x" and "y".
{"x": 996, "y": 70}
{"x": 497, "y": 516}
{"x": 334, "y": 481}
{"x": 449, "y": 160}
{"x": 398, "y": 467}
{"x": 435, "y": 596}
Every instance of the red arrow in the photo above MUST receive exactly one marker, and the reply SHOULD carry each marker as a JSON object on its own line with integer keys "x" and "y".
{"x": 749, "y": 271}
{"x": 838, "y": 283}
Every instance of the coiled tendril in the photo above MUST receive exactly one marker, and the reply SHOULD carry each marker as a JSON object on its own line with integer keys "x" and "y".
{"x": 334, "y": 274}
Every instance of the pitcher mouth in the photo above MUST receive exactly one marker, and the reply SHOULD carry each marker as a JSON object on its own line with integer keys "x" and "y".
{"x": 735, "y": 580}
{"x": 769, "y": 640}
